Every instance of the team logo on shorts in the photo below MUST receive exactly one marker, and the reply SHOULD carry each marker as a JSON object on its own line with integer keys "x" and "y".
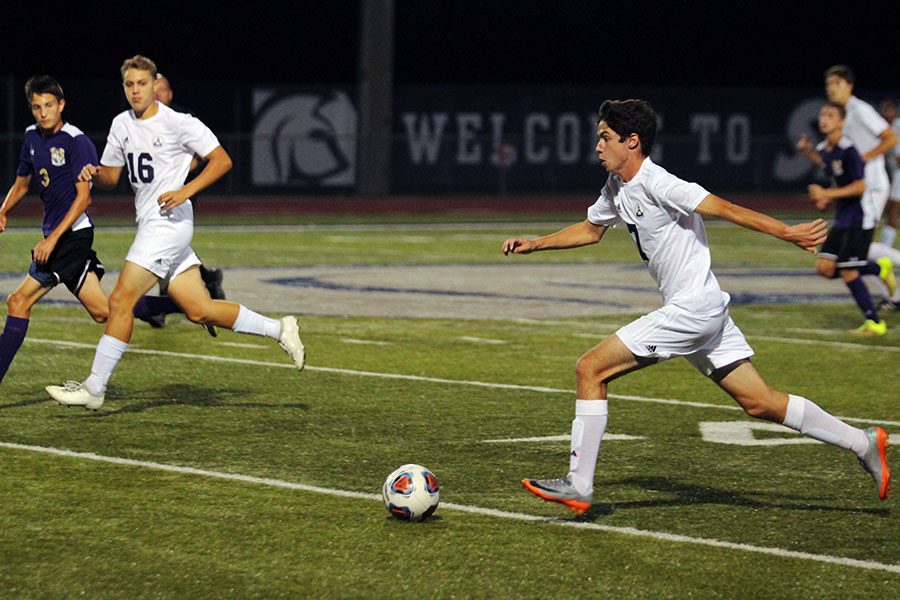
{"x": 651, "y": 348}
{"x": 58, "y": 156}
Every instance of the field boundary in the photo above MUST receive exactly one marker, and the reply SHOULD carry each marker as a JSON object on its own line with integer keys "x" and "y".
{"x": 630, "y": 531}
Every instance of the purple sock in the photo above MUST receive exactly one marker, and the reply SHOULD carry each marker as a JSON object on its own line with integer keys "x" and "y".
{"x": 863, "y": 299}
{"x": 10, "y": 341}
{"x": 870, "y": 268}
{"x": 148, "y": 306}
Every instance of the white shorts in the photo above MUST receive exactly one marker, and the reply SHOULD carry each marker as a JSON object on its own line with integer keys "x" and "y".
{"x": 708, "y": 342}
{"x": 164, "y": 248}
{"x": 895, "y": 186}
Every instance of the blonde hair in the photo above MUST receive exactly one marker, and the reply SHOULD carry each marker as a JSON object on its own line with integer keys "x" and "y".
{"x": 141, "y": 63}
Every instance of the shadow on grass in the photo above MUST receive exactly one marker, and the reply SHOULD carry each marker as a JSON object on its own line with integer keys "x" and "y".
{"x": 685, "y": 494}
{"x": 176, "y": 394}
{"x": 22, "y": 403}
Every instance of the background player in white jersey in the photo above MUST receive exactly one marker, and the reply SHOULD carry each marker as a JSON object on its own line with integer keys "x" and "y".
{"x": 888, "y": 109}
{"x": 871, "y": 135}
{"x": 662, "y": 212}
{"x": 155, "y": 144}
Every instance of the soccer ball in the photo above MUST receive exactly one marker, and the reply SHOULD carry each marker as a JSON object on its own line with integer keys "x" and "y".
{"x": 411, "y": 493}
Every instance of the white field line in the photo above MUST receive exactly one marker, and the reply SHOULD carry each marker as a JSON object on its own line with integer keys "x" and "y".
{"x": 242, "y": 345}
{"x": 479, "y": 340}
{"x": 502, "y": 514}
{"x": 561, "y": 438}
{"x": 399, "y": 376}
{"x": 804, "y": 342}
{"x": 364, "y": 342}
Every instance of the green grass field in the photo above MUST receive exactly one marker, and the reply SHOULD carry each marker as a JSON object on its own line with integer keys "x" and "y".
{"x": 215, "y": 470}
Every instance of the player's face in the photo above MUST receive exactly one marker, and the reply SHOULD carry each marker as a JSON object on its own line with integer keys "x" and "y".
{"x": 47, "y": 111}
{"x": 163, "y": 91}
{"x": 838, "y": 89}
{"x": 830, "y": 120}
{"x": 613, "y": 153}
{"x": 140, "y": 89}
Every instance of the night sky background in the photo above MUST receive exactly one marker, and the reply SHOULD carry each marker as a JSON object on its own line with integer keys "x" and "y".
{"x": 638, "y": 42}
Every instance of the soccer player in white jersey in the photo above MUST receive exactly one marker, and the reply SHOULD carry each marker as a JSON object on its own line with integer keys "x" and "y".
{"x": 888, "y": 109}
{"x": 871, "y": 135}
{"x": 663, "y": 214}
{"x": 155, "y": 145}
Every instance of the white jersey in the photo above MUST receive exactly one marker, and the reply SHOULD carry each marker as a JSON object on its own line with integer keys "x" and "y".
{"x": 894, "y": 153}
{"x": 658, "y": 209}
{"x": 157, "y": 154}
{"x": 863, "y": 126}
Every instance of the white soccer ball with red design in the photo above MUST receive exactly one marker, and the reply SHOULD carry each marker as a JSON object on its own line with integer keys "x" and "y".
{"x": 411, "y": 493}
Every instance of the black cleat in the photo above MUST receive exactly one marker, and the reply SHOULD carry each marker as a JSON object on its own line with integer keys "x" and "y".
{"x": 155, "y": 321}
{"x": 212, "y": 278}
{"x": 211, "y": 330}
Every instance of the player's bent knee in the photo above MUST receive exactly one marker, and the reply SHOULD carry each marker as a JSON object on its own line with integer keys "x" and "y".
{"x": 198, "y": 314}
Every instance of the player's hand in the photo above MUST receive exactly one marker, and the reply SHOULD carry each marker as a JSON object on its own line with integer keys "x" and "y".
{"x": 807, "y": 235}
{"x": 88, "y": 172}
{"x": 804, "y": 146}
{"x": 170, "y": 200}
{"x": 43, "y": 250}
{"x": 2, "y": 223}
{"x": 822, "y": 204}
{"x": 518, "y": 246}
{"x": 817, "y": 193}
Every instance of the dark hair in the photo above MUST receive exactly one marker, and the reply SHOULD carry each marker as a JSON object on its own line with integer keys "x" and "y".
{"x": 842, "y": 71}
{"x": 43, "y": 84}
{"x": 630, "y": 116}
{"x": 838, "y": 107}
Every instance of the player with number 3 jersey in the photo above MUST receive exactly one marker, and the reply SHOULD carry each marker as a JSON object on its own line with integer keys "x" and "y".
{"x": 155, "y": 145}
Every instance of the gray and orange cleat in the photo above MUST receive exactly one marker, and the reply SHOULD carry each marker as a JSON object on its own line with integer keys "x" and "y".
{"x": 559, "y": 490}
{"x": 874, "y": 461}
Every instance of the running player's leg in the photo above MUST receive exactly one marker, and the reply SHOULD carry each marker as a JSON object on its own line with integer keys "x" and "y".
{"x": 594, "y": 370}
{"x": 743, "y": 383}
{"x": 94, "y": 298}
{"x": 191, "y": 294}
{"x": 18, "y": 314}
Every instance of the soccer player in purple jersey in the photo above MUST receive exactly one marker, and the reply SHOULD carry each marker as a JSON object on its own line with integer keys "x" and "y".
{"x": 54, "y": 152}
{"x": 845, "y": 249}
{"x": 663, "y": 214}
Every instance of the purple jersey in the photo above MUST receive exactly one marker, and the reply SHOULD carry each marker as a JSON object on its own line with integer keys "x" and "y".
{"x": 843, "y": 165}
{"x": 55, "y": 162}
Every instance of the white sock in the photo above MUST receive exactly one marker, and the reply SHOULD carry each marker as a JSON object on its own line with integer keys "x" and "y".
{"x": 888, "y": 235}
{"x": 254, "y": 323}
{"x": 809, "y": 419}
{"x": 109, "y": 352}
{"x": 587, "y": 431}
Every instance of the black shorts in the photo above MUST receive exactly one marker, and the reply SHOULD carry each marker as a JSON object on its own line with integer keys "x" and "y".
{"x": 70, "y": 262}
{"x": 847, "y": 246}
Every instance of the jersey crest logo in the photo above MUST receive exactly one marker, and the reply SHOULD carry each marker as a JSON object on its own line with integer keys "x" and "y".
{"x": 157, "y": 142}
{"x": 837, "y": 167}
{"x": 639, "y": 212}
{"x": 58, "y": 156}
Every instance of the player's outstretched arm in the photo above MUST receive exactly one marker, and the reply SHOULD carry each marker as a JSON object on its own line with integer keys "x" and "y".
{"x": 822, "y": 195}
{"x": 100, "y": 175}
{"x": 15, "y": 194}
{"x": 573, "y": 236}
{"x": 218, "y": 163}
{"x": 804, "y": 235}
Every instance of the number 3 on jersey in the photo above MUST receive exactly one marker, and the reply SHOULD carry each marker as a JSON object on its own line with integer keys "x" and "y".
{"x": 144, "y": 171}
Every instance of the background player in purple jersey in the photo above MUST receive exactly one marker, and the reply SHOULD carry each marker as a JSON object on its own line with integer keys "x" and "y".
{"x": 844, "y": 253}
{"x": 54, "y": 152}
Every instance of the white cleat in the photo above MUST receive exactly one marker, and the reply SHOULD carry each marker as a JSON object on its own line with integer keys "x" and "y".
{"x": 73, "y": 393}
{"x": 289, "y": 340}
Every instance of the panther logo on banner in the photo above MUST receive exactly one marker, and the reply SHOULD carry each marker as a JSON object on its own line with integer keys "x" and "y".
{"x": 304, "y": 139}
